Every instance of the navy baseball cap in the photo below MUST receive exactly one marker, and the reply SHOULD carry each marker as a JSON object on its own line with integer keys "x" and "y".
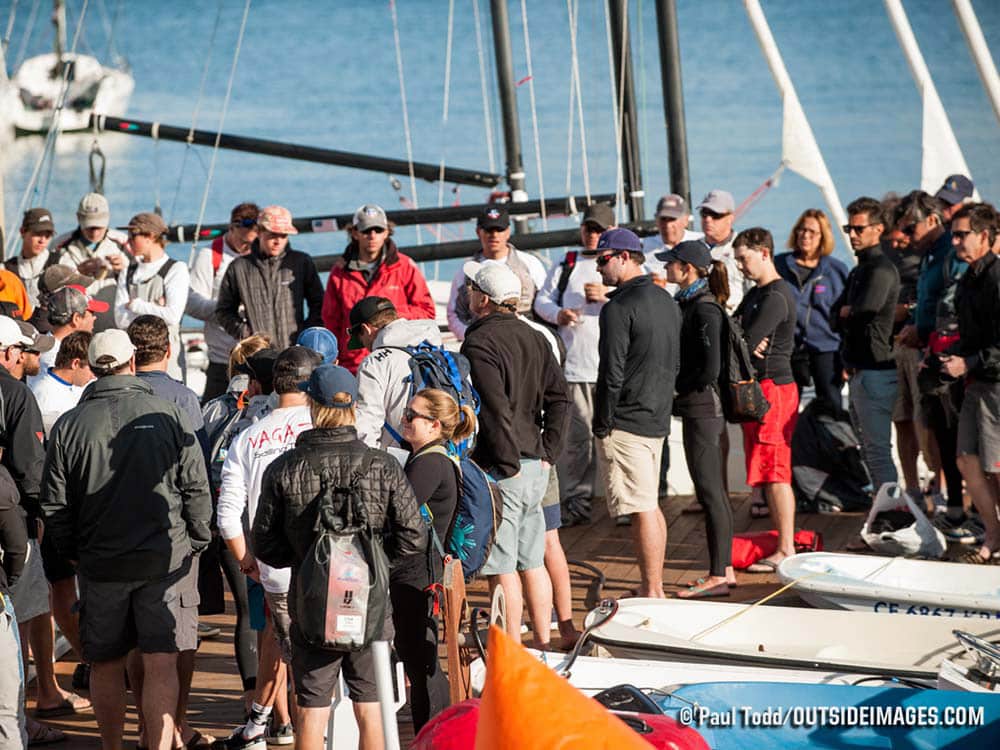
{"x": 326, "y": 382}
{"x": 956, "y": 189}
{"x": 694, "y": 252}
{"x": 321, "y": 341}
{"x": 620, "y": 239}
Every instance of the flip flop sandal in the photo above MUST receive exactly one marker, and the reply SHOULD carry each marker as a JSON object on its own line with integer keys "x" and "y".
{"x": 70, "y": 705}
{"x": 704, "y": 592}
{"x": 763, "y": 566}
{"x": 701, "y": 581}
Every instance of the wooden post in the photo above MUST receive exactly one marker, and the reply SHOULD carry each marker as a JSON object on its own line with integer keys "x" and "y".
{"x": 456, "y": 614}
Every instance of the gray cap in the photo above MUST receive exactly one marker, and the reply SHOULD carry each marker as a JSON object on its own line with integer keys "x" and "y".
{"x": 370, "y": 216}
{"x": 110, "y": 349}
{"x": 671, "y": 206}
{"x": 718, "y": 201}
{"x": 40, "y": 342}
{"x": 93, "y": 211}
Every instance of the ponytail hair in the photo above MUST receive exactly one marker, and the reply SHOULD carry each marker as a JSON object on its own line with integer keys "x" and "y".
{"x": 718, "y": 281}
{"x": 457, "y": 422}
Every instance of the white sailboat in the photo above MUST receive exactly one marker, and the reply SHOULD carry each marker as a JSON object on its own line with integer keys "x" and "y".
{"x": 68, "y": 86}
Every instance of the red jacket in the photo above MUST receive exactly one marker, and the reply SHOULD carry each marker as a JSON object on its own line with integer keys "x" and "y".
{"x": 397, "y": 279}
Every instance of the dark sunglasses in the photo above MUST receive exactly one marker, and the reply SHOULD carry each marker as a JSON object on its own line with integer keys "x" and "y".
{"x": 473, "y": 286}
{"x": 961, "y": 234}
{"x": 603, "y": 260}
{"x": 708, "y": 214}
{"x": 372, "y": 230}
{"x": 909, "y": 229}
{"x": 409, "y": 415}
{"x": 592, "y": 228}
{"x": 245, "y": 223}
{"x": 493, "y": 230}
{"x": 857, "y": 228}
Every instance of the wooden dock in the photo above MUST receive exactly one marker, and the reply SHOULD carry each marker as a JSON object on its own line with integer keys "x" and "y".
{"x": 215, "y": 706}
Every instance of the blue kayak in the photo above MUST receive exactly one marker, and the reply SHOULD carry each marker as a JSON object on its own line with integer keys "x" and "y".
{"x": 785, "y": 716}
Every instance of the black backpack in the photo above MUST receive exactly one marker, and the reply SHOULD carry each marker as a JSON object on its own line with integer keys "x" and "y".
{"x": 332, "y": 612}
{"x": 739, "y": 390}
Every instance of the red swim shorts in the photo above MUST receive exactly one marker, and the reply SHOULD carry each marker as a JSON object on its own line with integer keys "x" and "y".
{"x": 767, "y": 445}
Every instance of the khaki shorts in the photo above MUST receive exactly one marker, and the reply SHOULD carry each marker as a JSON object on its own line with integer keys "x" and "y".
{"x": 277, "y": 604}
{"x": 979, "y": 425}
{"x": 907, "y": 406}
{"x": 632, "y": 467}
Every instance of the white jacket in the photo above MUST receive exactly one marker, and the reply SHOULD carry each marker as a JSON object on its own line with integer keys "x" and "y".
{"x": 581, "y": 339}
{"x": 250, "y": 454}
{"x": 383, "y": 388}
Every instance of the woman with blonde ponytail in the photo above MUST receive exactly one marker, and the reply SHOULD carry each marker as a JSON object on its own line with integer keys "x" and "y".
{"x": 431, "y": 420}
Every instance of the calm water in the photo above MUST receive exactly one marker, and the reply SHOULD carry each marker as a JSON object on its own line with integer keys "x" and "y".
{"x": 325, "y": 74}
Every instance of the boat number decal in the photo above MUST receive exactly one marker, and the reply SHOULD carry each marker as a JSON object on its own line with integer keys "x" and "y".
{"x": 922, "y": 609}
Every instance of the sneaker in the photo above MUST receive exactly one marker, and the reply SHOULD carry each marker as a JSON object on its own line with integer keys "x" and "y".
{"x": 236, "y": 741}
{"x": 280, "y": 734}
{"x": 960, "y": 531}
{"x": 81, "y": 677}
{"x": 208, "y": 631}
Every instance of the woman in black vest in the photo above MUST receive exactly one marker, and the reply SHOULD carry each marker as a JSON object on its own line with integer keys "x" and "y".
{"x": 704, "y": 290}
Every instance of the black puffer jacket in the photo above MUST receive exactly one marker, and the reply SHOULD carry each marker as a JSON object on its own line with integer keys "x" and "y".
{"x": 283, "y": 528}
{"x": 978, "y": 303}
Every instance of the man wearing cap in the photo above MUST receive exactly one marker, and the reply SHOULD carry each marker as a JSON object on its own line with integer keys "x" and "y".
{"x": 249, "y": 455}
{"x": 673, "y": 220}
{"x": 372, "y": 266}
{"x": 68, "y": 309}
{"x": 52, "y": 279}
{"x": 286, "y": 526}
{"x": 639, "y": 360}
{"x": 322, "y": 341}
{"x": 207, "y": 271}
{"x": 523, "y": 413}
{"x": 384, "y": 375}
{"x": 22, "y": 455}
{"x": 126, "y": 498}
{"x": 493, "y": 231}
{"x": 156, "y": 285}
{"x": 571, "y": 298}
{"x": 956, "y": 190}
{"x": 36, "y": 233}
{"x": 717, "y": 210}
{"x": 274, "y": 290}
{"x": 95, "y": 250}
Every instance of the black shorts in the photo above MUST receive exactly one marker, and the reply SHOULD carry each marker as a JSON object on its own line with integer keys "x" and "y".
{"x": 159, "y": 616}
{"x": 316, "y": 671}
{"x": 57, "y": 568}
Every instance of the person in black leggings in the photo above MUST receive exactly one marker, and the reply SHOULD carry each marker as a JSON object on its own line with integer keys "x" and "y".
{"x": 431, "y": 421}
{"x": 704, "y": 290}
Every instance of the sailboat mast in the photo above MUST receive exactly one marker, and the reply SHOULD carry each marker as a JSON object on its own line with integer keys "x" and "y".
{"x": 980, "y": 52}
{"x": 625, "y": 91}
{"x": 508, "y": 105}
{"x": 673, "y": 97}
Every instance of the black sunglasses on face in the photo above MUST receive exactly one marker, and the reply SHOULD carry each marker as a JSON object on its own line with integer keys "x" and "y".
{"x": 372, "y": 230}
{"x": 909, "y": 229}
{"x": 409, "y": 415}
{"x": 603, "y": 260}
{"x": 855, "y": 228}
{"x": 961, "y": 234}
{"x": 472, "y": 286}
{"x": 707, "y": 214}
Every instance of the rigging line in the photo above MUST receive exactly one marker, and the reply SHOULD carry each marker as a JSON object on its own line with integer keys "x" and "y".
{"x": 487, "y": 115}
{"x": 534, "y": 112}
{"x": 5, "y": 41}
{"x": 197, "y": 110}
{"x": 444, "y": 115}
{"x": 50, "y": 139}
{"x": 643, "y": 128}
{"x": 584, "y": 162}
{"x": 617, "y": 107}
{"x": 569, "y": 129}
{"x": 29, "y": 26}
{"x": 112, "y": 52}
{"x": 218, "y": 135}
{"x": 406, "y": 114}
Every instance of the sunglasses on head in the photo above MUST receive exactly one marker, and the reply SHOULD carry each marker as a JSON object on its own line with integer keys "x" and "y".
{"x": 603, "y": 260}
{"x": 409, "y": 415}
{"x": 245, "y": 223}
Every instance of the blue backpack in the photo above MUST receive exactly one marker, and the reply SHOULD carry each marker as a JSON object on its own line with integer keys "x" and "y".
{"x": 436, "y": 367}
{"x": 473, "y": 528}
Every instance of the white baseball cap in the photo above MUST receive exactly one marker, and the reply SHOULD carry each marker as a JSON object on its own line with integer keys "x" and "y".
{"x": 110, "y": 349}
{"x": 10, "y": 334}
{"x": 496, "y": 280}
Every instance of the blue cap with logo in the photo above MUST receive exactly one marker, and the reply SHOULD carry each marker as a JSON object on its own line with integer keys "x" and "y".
{"x": 620, "y": 239}
{"x": 321, "y": 341}
{"x": 694, "y": 252}
{"x": 326, "y": 382}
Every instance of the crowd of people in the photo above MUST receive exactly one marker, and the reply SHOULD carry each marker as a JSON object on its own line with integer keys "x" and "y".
{"x": 128, "y": 504}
